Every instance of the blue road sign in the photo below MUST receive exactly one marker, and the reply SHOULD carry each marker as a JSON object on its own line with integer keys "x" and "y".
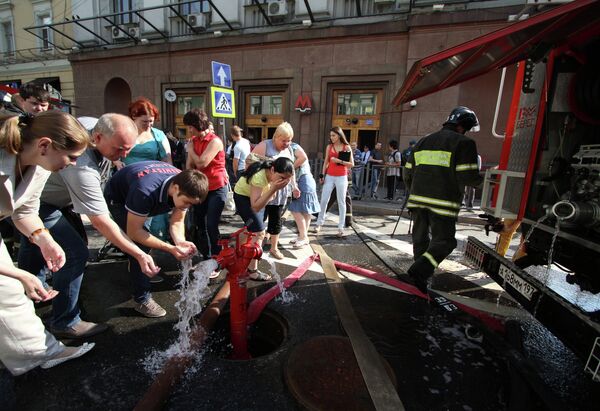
{"x": 223, "y": 102}
{"x": 221, "y": 74}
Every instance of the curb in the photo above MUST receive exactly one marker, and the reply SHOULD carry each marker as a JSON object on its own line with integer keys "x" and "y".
{"x": 464, "y": 217}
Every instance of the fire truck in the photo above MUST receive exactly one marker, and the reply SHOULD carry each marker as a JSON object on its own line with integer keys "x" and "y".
{"x": 548, "y": 177}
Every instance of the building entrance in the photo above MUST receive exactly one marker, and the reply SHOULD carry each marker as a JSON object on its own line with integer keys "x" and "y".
{"x": 184, "y": 103}
{"x": 263, "y": 113}
{"x": 358, "y": 113}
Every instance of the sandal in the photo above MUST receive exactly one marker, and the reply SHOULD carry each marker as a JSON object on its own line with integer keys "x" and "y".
{"x": 275, "y": 253}
{"x": 294, "y": 240}
{"x": 256, "y": 275}
{"x": 214, "y": 274}
{"x": 317, "y": 229}
{"x": 340, "y": 234}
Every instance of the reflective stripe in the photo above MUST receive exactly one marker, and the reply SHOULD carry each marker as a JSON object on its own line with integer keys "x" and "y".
{"x": 463, "y": 167}
{"x": 439, "y": 211}
{"x": 433, "y": 158}
{"x": 434, "y": 201}
{"x": 408, "y": 165}
{"x": 431, "y": 259}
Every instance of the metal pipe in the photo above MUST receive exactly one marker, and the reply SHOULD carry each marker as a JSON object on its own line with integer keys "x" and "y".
{"x": 498, "y": 100}
{"x": 158, "y": 393}
{"x": 576, "y": 212}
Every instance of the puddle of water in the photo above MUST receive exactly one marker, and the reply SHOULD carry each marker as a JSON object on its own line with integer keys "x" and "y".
{"x": 193, "y": 291}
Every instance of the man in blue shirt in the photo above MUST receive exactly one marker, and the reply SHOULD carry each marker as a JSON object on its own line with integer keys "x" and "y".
{"x": 146, "y": 189}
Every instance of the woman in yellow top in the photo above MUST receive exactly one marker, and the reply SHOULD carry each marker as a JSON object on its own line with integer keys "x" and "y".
{"x": 257, "y": 186}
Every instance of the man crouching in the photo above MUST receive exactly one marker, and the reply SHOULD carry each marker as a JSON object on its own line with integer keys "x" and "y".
{"x": 146, "y": 189}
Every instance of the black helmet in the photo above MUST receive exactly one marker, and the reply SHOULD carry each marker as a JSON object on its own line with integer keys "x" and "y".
{"x": 465, "y": 117}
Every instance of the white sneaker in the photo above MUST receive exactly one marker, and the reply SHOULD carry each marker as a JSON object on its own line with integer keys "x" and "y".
{"x": 60, "y": 358}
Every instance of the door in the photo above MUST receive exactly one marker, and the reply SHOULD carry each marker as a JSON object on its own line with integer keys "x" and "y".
{"x": 184, "y": 103}
{"x": 263, "y": 113}
{"x": 357, "y": 112}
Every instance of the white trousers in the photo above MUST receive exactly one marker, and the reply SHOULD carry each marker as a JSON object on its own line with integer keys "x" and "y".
{"x": 24, "y": 342}
{"x": 341, "y": 185}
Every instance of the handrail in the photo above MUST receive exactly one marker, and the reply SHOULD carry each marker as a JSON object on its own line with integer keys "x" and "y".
{"x": 498, "y": 100}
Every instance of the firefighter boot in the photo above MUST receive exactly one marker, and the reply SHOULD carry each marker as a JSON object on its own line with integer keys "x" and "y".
{"x": 420, "y": 272}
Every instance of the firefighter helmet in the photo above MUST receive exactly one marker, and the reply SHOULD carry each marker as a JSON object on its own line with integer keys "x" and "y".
{"x": 465, "y": 117}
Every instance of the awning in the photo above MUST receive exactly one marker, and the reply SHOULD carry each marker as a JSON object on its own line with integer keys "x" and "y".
{"x": 531, "y": 38}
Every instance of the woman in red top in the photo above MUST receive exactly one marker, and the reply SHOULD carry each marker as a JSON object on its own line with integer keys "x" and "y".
{"x": 205, "y": 153}
{"x": 335, "y": 174}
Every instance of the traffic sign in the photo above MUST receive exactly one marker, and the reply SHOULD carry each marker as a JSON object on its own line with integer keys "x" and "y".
{"x": 221, "y": 74}
{"x": 223, "y": 102}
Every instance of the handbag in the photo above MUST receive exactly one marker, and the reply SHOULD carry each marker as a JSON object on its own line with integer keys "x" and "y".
{"x": 229, "y": 201}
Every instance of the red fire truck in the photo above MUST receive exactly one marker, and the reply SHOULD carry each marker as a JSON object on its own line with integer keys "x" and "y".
{"x": 548, "y": 178}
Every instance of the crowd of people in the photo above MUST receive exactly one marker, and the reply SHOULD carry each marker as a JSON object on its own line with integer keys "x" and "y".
{"x": 118, "y": 171}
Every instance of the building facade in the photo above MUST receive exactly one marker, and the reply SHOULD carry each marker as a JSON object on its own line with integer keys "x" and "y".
{"x": 37, "y": 55}
{"x": 335, "y": 62}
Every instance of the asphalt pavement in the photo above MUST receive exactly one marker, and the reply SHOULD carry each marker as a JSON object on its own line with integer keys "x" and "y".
{"x": 433, "y": 363}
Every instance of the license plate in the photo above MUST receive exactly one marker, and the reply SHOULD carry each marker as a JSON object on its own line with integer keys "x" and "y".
{"x": 516, "y": 282}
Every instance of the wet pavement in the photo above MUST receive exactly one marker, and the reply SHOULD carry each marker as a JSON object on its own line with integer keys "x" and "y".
{"x": 435, "y": 366}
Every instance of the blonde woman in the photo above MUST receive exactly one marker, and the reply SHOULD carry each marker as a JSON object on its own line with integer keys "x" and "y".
{"x": 30, "y": 148}
{"x": 335, "y": 174}
{"x": 278, "y": 146}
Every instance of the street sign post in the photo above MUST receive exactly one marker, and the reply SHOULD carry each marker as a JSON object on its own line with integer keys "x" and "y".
{"x": 221, "y": 74}
{"x": 223, "y": 102}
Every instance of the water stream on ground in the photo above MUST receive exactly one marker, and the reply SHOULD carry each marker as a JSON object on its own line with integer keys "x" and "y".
{"x": 285, "y": 295}
{"x": 193, "y": 292}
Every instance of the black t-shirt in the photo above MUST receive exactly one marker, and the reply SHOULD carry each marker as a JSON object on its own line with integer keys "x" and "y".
{"x": 142, "y": 187}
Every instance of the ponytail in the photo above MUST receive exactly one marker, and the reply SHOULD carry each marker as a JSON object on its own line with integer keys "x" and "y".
{"x": 64, "y": 130}
{"x": 10, "y": 134}
{"x": 255, "y": 168}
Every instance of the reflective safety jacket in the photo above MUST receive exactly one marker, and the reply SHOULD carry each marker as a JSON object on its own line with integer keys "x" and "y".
{"x": 438, "y": 169}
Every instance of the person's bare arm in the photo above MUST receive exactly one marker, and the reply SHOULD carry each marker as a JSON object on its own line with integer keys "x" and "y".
{"x": 204, "y": 159}
{"x": 111, "y": 231}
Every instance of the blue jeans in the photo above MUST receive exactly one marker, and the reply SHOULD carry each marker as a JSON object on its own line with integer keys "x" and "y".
{"x": 207, "y": 216}
{"x": 67, "y": 280}
{"x": 139, "y": 281}
{"x": 375, "y": 173}
{"x": 357, "y": 181}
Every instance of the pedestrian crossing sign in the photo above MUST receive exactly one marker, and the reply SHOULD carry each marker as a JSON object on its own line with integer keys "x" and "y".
{"x": 223, "y": 102}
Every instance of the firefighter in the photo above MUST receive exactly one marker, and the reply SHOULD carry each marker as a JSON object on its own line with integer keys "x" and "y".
{"x": 436, "y": 173}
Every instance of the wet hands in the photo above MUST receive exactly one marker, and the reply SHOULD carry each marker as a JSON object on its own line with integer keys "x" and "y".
{"x": 281, "y": 182}
{"x": 183, "y": 250}
{"x": 34, "y": 288}
{"x": 147, "y": 265}
{"x": 54, "y": 256}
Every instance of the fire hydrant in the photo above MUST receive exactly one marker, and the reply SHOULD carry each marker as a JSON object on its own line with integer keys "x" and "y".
{"x": 236, "y": 260}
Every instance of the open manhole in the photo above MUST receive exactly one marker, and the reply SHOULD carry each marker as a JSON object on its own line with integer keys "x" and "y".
{"x": 265, "y": 336}
{"x": 322, "y": 374}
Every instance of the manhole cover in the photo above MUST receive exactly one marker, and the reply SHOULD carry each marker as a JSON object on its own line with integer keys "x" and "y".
{"x": 322, "y": 373}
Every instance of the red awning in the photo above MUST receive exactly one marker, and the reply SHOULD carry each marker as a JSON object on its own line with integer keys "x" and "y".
{"x": 530, "y": 38}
